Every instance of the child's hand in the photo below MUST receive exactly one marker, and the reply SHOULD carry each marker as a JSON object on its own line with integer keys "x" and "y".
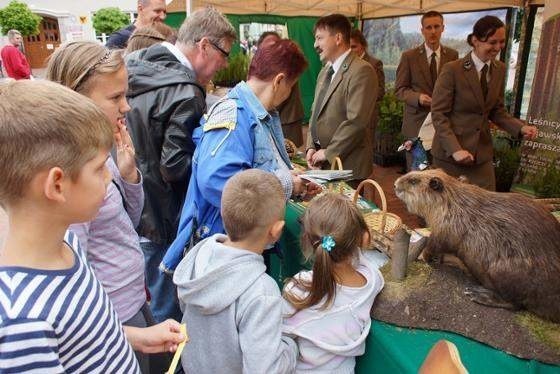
{"x": 163, "y": 337}
{"x": 125, "y": 154}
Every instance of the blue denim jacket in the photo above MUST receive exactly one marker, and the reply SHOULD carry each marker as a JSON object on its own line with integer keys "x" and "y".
{"x": 234, "y": 136}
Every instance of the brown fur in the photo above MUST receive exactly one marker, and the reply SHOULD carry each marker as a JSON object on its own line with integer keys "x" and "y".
{"x": 508, "y": 242}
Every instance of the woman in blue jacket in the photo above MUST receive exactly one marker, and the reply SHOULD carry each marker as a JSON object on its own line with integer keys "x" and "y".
{"x": 241, "y": 131}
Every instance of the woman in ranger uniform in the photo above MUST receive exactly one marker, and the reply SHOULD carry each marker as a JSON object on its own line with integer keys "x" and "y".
{"x": 468, "y": 94}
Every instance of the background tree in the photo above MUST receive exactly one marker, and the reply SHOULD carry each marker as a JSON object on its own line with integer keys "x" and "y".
{"x": 109, "y": 20}
{"x": 17, "y": 15}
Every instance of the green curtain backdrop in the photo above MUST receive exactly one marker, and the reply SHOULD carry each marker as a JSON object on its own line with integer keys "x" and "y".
{"x": 300, "y": 30}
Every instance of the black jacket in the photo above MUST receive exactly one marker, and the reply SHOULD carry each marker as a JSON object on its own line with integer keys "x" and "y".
{"x": 167, "y": 104}
{"x": 119, "y": 39}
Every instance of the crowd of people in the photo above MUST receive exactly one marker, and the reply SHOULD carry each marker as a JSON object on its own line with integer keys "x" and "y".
{"x": 133, "y": 207}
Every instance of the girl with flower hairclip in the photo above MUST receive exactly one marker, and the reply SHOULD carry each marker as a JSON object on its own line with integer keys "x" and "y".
{"x": 327, "y": 310}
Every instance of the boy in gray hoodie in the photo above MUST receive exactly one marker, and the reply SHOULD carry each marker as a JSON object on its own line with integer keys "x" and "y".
{"x": 232, "y": 308}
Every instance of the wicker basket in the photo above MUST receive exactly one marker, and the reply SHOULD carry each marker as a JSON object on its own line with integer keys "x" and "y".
{"x": 382, "y": 225}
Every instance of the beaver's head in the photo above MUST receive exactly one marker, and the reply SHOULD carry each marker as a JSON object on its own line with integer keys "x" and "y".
{"x": 425, "y": 192}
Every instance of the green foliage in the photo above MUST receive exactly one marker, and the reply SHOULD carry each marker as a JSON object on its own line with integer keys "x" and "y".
{"x": 547, "y": 183}
{"x": 17, "y": 15}
{"x": 390, "y": 113}
{"x": 388, "y": 135}
{"x": 109, "y": 20}
{"x": 236, "y": 71}
{"x": 506, "y": 161}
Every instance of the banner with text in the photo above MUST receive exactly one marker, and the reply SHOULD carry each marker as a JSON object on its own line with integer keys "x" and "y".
{"x": 539, "y": 170}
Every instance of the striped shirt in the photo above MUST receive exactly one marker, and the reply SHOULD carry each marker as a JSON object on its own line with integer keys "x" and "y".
{"x": 54, "y": 321}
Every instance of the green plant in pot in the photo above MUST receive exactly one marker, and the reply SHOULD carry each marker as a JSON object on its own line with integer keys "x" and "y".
{"x": 506, "y": 160}
{"x": 388, "y": 131}
{"x": 235, "y": 72}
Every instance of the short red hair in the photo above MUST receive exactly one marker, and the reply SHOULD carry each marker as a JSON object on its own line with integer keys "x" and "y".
{"x": 282, "y": 56}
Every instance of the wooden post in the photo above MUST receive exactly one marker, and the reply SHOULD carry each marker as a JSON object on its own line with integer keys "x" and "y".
{"x": 399, "y": 256}
{"x": 416, "y": 248}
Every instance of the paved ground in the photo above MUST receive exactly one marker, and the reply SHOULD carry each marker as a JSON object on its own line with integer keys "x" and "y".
{"x": 39, "y": 73}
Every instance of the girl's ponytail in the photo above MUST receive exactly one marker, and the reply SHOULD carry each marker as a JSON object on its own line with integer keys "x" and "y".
{"x": 324, "y": 282}
{"x": 333, "y": 229}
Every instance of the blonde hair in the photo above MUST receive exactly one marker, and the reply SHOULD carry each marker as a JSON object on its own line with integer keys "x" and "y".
{"x": 76, "y": 64}
{"x": 145, "y": 37}
{"x": 251, "y": 200}
{"x": 209, "y": 23}
{"x": 38, "y": 132}
{"x": 330, "y": 215}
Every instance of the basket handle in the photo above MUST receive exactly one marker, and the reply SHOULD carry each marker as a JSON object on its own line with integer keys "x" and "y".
{"x": 337, "y": 162}
{"x": 381, "y": 194}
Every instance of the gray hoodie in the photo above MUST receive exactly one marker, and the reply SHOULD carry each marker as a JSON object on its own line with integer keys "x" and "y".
{"x": 232, "y": 309}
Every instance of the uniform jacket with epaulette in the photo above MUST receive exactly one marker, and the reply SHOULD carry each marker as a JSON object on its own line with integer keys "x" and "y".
{"x": 235, "y": 135}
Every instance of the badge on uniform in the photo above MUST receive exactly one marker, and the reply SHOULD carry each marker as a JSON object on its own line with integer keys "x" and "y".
{"x": 345, "y": 67}
{"x": 467, "y": 65}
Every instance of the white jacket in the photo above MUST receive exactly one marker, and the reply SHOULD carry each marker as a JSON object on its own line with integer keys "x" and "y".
{"x": 330, "y": 339}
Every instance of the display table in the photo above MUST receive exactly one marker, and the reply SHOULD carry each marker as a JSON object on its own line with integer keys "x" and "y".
{"x": 392, "y": 349}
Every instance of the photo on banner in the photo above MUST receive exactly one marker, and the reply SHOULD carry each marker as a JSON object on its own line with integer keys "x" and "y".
{"x": 388, "y": 38}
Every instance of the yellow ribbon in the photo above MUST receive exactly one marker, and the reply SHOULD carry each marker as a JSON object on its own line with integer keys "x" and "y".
{"x": 177, "y": 356}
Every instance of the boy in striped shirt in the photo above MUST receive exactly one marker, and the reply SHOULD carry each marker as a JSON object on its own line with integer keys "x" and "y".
{"x": 54, "y": 314}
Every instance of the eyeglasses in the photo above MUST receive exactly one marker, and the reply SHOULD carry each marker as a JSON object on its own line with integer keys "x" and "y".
{"x": 223, "y": 51}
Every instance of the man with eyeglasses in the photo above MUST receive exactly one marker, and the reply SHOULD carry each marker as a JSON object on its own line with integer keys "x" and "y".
{"x": 167, "y": 96}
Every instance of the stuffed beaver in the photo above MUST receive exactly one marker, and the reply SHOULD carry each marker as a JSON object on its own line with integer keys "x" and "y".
{"x": 509, "y": 243}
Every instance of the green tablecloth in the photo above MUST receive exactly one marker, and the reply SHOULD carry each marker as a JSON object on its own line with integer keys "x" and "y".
{"x": 391, "y": 349}
{"x": 292, "y": 260}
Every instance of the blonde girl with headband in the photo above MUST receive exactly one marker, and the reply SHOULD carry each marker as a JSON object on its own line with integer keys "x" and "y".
{"x": 327, "y": 310}
{"x": 110, "y": 240}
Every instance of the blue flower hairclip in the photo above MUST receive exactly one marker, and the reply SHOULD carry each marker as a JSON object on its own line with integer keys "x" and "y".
{"x": 328, "y": 243}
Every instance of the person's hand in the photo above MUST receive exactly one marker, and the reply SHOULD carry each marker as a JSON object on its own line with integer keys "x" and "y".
{"x": 529, "y": 132}
{"x": 425, "y": 100}
{"x": 312, "y": 189}
{"x": 163, "y": 337}
{"x": 318, "y": 158}
{"x": 309, "y": 158}
{"x": 463, "y": 157}
{"x": 304, "y": 189}
{"x": 125, "y": 154}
